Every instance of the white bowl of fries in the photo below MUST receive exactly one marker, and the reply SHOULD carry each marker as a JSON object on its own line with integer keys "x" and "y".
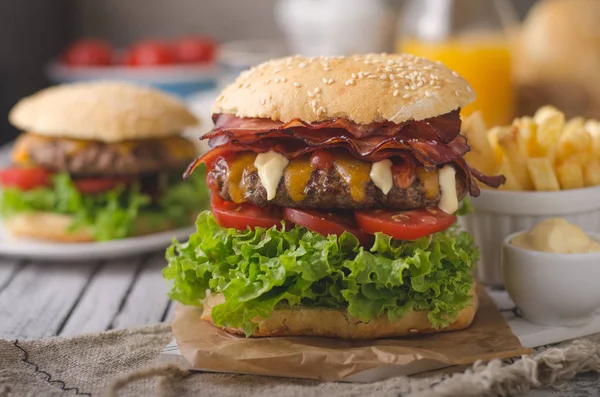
{"x": 552, "y": 169}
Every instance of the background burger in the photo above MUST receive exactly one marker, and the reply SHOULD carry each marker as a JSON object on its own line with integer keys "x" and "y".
{"x": 334, "y": 186}
{"x": 99, "y": 161}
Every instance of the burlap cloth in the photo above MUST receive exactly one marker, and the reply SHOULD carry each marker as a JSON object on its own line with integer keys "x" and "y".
{"x": 124, "y": 363}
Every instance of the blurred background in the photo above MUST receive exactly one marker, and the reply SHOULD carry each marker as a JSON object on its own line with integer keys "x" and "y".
{"x": 194, "y": 47}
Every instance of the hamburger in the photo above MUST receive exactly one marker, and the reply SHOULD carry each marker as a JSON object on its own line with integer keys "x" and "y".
{"x": 334, "y": 187}
{"x": 99, "y": 161}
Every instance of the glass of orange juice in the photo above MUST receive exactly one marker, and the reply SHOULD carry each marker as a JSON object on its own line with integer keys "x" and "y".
{"x": 472, "y": 38}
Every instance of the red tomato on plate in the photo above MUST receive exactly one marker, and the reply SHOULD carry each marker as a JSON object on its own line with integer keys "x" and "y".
{"x": 150, "y": 53}
{"x": 326, "y": 223}
{"x": 241, "y": 216}
{"x": 88, "y": 52}
{"x": 99, "y": 185}
{"x": 25, "y": 178}
{"x": 405, "y": 225}
{"x": 195, "y": 49}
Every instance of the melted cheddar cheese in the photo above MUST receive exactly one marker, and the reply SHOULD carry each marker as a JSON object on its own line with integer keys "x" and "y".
{"x": 237, "y": 169}
{"x": 430, "y": 182}
{"x": 177, "y": 147}
{"x": 296, "y": 177}
{"x": 356, "y": 174}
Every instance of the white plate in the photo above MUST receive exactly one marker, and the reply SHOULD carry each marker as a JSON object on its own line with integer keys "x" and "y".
{"x": 34, "y": 249}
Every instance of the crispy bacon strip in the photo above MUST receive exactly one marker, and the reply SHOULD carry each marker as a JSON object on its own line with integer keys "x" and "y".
{"x": 443, "y": 128}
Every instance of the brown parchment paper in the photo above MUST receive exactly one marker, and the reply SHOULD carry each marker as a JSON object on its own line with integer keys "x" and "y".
{"x": 208, "y": 348}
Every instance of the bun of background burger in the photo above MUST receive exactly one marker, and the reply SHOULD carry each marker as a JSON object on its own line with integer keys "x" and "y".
{"x": 107, "y": 112}
{"x": 363, "y": 90}
{"x": 558, "y": 57}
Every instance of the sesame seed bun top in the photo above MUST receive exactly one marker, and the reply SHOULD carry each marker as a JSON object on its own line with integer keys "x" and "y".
{"x": 361, "y": 88}
{"x": 101, "y": 111}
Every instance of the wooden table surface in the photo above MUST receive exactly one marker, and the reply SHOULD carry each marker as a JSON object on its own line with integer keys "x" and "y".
{"x": 40, "y": 299}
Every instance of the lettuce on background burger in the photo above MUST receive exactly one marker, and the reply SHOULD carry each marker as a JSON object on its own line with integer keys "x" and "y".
{"x": 99, "y": 161}
{"x": 334, "y": 186}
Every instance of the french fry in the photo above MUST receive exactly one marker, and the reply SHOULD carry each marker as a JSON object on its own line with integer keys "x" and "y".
{"x": 528, "y": 130}
{"x": 574, "y": 141}
{"x": 593, "y": 128}
{"x": 591, "y": 173}
{"x": 542, "y": 174}
{"x": 512, "y": 182}
{"x": 493, "y": 138}
{"x": 550, "y": 124}
{"x": 514, "y": 152}
{"x": 476, "y": 132}
{"x": 570, "y": 176}
{"x": 482, "y": 163}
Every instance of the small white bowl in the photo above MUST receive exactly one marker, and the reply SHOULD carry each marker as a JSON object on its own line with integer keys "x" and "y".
{"x": 552, "y": 289}
{"x": 500, "y": 213}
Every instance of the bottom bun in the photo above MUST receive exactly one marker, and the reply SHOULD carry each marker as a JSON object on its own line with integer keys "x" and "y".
{"x": 49, "y": 226}
{"x": 336, "y": 323}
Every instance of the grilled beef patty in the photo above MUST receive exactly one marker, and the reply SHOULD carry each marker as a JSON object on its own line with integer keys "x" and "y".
{"x": 327, "y": 190}
{"x": 91, "y": 158}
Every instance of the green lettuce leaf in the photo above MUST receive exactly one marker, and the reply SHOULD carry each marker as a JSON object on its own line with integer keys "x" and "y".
{"x": 258, "y": 270}
{"x": 111, "y": 215}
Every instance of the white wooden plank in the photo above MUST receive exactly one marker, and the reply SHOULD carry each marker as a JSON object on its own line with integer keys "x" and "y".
{"x": 170, "y": 313}
{"x": 148, "y": 300}
{"x": 40, "y": 297}
{"x": 8, "y": 269}
{"x": 103, "y": 297}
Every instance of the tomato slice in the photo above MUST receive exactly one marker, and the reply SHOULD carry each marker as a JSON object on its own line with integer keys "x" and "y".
{"x": 405, "y": 225}
{"x": 326, "y": 223}
{"x": 242, "y": 216}
{"x": 25, "y": 178}
{"x": 99, "y": 185}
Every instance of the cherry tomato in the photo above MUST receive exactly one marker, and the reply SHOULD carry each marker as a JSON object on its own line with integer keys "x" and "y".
{"x": 195, "y": 49}
{"x": 25, "y": 178}
{"x": 326, "y": 223}
{"x": 150, "y": 53}
{"x": 99, "y": 185}
{"x": 242, "y": 216}
{"x": 88, "y": 52}
{"x": 405, "y": 225}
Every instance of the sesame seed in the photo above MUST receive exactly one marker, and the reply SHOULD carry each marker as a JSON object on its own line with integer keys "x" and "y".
{"x": 456, "y": 93}
{"x": 366, "y": 62}
{"x": 407, "y": 87}
{"x": 302, "y": 65}
{"x": 353, "y": 75}
{"x": 276, "y": 71}
{"x": 314, "y": 103}
{"x": 383, "y": 77}
{"x": 396, "y": 85}
{"x": 420, "y": 84}
{"x": 350, "y": 82}
{"x": 437, "y": 87}
{"x": 296, "y": 84}
{"x": 427, "y": 94}
{"x": 252, "y": 90}
{"x": 406, "y": 96}
{"x": 372, "y": 76}
{"x": 284, "y": 80}
{"x": 317, "y": 90}
{"x": 396, "y": 93}
{"x": 431, "y": 82}
{"x": 392, "y": 77}
{"x": 327, "y": 68}
{"x": 469, "y": 89}
{"x": 455, "y": 74}
{"x": 324, "y": 80}
{"x": 321, "y": 110}
{"x": 263, "y": 101}
{"x": 246, "y": 85}
{"x": 267, "y": 81}
{"x": 311, "y": 95}
{"x": 276, "y": 81}
{"x": 389, "y": 69}
{"x": 330, "y": 81}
